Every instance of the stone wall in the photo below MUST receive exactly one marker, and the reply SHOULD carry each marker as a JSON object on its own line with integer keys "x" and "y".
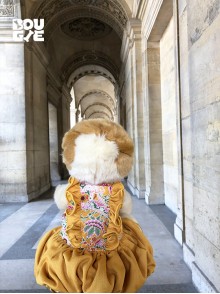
{"x": 169, "y": 116}
{"x": 204, "y": 88}
{"x": 133, "y": 93}
{"x": 38, "y": 163}
{"x": 12, "y": 123}
{"x": 190, "y": 82}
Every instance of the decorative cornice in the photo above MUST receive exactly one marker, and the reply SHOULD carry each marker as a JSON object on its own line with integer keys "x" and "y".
{"x": 150, "y": 14}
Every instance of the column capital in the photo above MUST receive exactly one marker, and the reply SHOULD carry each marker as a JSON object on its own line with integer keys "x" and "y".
{"x": 9, "y": 10}
{"x": 132, "y": 33}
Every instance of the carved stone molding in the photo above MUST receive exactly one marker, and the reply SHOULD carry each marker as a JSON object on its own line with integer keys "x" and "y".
{"x": 95, "y": 70}
{"x": 49, "y": 8}
{"x": 86, "y": 58}
{"x": 56, "y": 12}
{"x": 6, "y": 8}
{"x": 97, "y": 92}
{"x": 86, "y": 29}
{"x": 92, "y": 72}
{"x": 75, "y": 13}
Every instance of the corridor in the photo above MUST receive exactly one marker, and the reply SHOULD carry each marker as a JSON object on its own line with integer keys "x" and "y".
{"x": 22, "y": 225}
{"x": 152, "y": 66}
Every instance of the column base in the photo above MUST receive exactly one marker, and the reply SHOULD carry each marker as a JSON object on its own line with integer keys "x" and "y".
{"x": 37, "y": 193}
{"x": 140, "y": 194}
{"x": 151, "y": 198}
{"x": 201, "y": 282}
{"x": 188, "y": 255}
{"x": 178, "y": 234}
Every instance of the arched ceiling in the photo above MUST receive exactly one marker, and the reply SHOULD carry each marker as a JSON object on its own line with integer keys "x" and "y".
{"x": 94, "y": 109}
{"x": 56, "y": 12}
{"x": 94, "y": 85}
{"x": 95, "y": 94}
{"x": 83, "y": 40}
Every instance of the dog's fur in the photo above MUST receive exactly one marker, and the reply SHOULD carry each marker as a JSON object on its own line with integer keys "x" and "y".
{"x": 97, "y": 151}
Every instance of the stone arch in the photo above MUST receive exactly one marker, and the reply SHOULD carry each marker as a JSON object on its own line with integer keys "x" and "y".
{"x": 90, "y": 70}
{"x": 99, "y": 92}
{"x": 98, "y": 104}
{"x": 88, "y": 57}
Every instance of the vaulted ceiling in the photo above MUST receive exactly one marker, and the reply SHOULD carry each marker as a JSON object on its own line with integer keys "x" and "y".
{"x": 83, "y": 38}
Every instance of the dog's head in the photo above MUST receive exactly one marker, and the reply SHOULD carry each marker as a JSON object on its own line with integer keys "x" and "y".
{"x": 98, "y": 151}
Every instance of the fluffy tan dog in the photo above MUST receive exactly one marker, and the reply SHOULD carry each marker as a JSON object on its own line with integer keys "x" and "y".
{"x": 97, "y": 151}
{"x": 99, "y": 247}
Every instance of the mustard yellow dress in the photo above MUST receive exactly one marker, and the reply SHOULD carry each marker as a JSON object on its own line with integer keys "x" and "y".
{"x": 95, "y": 250}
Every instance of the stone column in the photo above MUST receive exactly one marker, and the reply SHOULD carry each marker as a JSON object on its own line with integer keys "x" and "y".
{"x": 134, "y": 48}
{"x": 153, "y": 124}
{"x": 64, "y": 121}
{"x": 37, "y": 125}
{"x": 54, "y": 98}
{"x": 13, "y": 176}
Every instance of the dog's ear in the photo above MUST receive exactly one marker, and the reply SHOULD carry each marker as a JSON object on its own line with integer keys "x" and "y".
{"x": 125, "y": 145}
{"x": 68, "y": 145}
{"x": 124, "y": 164}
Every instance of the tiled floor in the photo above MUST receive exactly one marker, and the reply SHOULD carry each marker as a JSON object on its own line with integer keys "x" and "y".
{"x": 23, "y": 224}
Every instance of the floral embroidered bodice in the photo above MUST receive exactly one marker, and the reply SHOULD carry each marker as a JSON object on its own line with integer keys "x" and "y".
{"x": 91, "y": 220}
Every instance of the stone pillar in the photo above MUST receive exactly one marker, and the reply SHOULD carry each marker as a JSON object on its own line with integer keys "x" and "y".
{"x": 13, "y": 176}
{"x": 37, "y": 124}
{"x": 134, "y": 48}
{"x": 55, "y": 135}
{"x": 126, "y": 93}
{"x": 153, "y": 124}
{"x": 65, "y": 102}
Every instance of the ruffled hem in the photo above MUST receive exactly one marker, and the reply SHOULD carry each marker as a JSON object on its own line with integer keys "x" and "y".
{"x": 66, "y": 269}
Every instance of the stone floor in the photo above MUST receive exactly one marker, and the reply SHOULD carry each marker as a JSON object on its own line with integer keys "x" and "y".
{"x": 23, "y": 224}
